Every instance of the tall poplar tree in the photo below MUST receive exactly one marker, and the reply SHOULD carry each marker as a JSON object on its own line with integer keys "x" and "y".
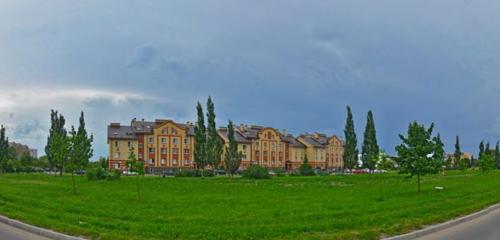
{"x": 370, "y": 150}
{"x": 232, "y": 157}
{"x": 458, "y": 152}
{"x": 481, "y": 149}
{"x": 200, "y": 137}
{"x": 497, "y": 155}
{"x": 214, "y": 144}
{"x": 4, "y": 148}
{"x": 350, "y": 149}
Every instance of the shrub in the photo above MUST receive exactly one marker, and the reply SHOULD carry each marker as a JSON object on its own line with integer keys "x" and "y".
{"x": 99, "y": 173}
{"x": 113, "y": 175}
{"x": 280, "y": 172}
{"x": 306, "y": 170}
{"x": 256, "y": 172}
{"x": 194, "y": 173}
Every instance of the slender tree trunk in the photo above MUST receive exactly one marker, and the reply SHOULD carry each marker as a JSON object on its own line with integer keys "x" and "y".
{"x": 418, "y": 180}
{"x": 138, "y": 189}
{"x": 74, "y": 182}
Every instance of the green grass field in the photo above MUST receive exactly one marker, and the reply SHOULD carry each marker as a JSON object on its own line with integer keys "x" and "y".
{"x": 331, "y": 207}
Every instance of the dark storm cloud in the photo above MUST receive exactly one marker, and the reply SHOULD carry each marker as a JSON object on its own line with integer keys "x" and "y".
{"x": 288, "y": 64}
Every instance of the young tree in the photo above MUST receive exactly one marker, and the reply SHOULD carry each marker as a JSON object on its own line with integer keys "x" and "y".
{"x": 57, "y": 148}
{"x": 4, "y": 149}
{"x": 232, "y": 158}
{"x": 137, "y": 167}
{"x": 80, "y": 149}
{"x": 214, "y": 144}
{"x": 458, "y": 152}
{"x": 200, "y": 138}
{"x": 350, "y": 149}
{"x": 417, "y": 152}
{"x": 370, "y": 150}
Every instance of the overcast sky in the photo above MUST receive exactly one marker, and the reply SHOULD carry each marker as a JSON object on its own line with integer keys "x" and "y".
{"x": 287, "y": 64}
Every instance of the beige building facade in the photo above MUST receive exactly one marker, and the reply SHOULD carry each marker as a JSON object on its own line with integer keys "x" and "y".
{"x": 165, "y": 144}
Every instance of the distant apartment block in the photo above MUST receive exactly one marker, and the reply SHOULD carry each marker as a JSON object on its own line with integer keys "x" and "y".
{"x": 165, "y": 144}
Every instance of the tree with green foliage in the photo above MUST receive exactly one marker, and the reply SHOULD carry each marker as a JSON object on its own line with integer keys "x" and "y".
{"x": 350, "y": 150}
{"x": 232, "y": 157}
{"x": 200, "y": 138}
{"x": 481, "y": 148}
{"x": 136, "y": 167}
{"x": 80, "y": 150}
{"x": 305, "y": 168}
{"x": 416, "y": 153}
{"x": 487, "y": 148}
{"x": 4, "y": 149}
{"x": 214, "y": 143}
{"x": 458, "y": 152}
{"x": 497, "y": 155}
{"x": 370, "y": 150}
{"x": 486, "y": 162}
{"x": 57, "y": 148}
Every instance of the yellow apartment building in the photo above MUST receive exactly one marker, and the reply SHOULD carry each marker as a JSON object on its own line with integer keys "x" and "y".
{"x": 165, "y": 144}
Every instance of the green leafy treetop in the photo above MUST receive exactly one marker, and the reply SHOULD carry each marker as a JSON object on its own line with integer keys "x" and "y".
{"x": 350, "y": 149}
{"x": 417, "y": 152}
{"x": 232, "y": 157}
{"x": 80, "y": 149}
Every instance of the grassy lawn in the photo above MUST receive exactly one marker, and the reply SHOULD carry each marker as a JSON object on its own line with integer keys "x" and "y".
{"x": 332, "y": 207}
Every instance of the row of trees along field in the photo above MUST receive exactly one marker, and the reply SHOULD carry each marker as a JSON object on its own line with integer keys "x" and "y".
{"x": 420, "y": 152}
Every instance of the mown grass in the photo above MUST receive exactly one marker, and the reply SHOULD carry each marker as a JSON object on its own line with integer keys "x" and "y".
{"x": 331, "y": 207}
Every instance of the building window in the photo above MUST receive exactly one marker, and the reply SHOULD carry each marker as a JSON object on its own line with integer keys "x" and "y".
{"x": 174, "y": 131}
{"x": 175, "y": 140}
{"x": 151, "y": 140}
{"x": 186, "y": 141}
{"x": 163, "y": 151}
{"x": 244, "y": 147}
{"x": 175, "y": 151}
{"x": 128, "y": 144}
{"x": 164, "y": 131}
{"x": 140, "y": 156}
{"x": 269, "y": 135}
{"x": 174, "y": 161}
{"x": 117, "y": 155}
{"x": 151, "y": 150}
{"x": 163, "y": 140}
{"x": 186, "y": 151}
{"x": 162, "y": 161}
{"x": 116, "y": 143}
{"x": 272, "y": 146}
{"x": 141, "y": 145}
{"x": 151, "y": 161}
